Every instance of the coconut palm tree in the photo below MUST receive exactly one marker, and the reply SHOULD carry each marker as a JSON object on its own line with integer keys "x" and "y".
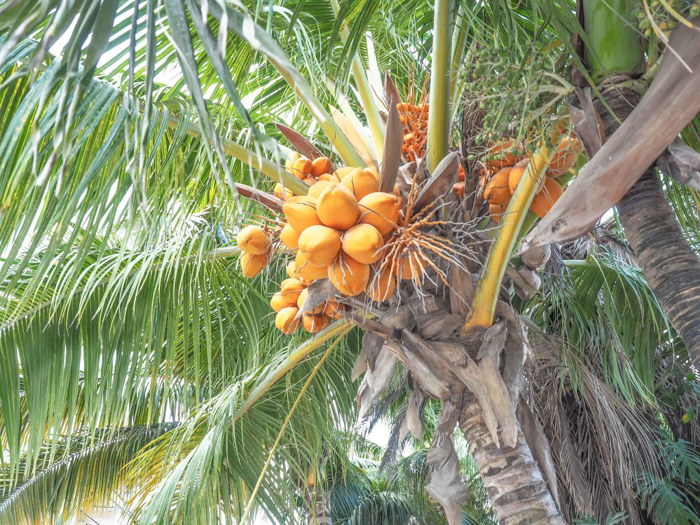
{"x": 129, "y": 331}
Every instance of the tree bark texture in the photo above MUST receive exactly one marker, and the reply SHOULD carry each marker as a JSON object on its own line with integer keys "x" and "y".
{"x": 670, "y": 265}
{"x": 319, "y": 503}
{"x": 518, "y": 492}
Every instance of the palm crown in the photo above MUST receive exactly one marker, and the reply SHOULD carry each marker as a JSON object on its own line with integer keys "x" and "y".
{"x": 139, "y": 361}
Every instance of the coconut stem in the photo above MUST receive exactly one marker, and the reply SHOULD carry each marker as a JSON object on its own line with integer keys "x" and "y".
{"x": 486, "y": 296}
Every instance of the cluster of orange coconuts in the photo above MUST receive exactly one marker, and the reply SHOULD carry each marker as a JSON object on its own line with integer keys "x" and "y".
{"x": 309, "y": 171}
{"x": 415, "y": 128}
{"x": 508, "y": 164}
{"x": 338, "y": 231}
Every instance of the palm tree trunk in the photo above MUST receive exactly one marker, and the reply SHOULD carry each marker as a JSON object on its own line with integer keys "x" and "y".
{"x": 670, "y": 265}
{"x": 518, "y": 492}
{"x": 319, "y": 504}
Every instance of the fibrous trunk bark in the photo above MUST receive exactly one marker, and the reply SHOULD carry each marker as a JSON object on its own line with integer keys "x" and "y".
{"x": 518, "y": 492}
{"x": 670, "y": 265}
{"x": 319, "y": 503}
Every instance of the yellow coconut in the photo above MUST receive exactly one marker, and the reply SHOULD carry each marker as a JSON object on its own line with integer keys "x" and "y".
{"x": 349, "y": 276}
{"x": 382, "y": 285}
{"x": 361, "y": 182}
{"x": 381, "y": 210}
{"x": 337, "y": 207}
{"x": 320, "y": 245}
{"x": 315, "y": 323}
{"x": 319, "y": 166}
{"x": 517, "y": 172}
{"x": 497, "y": 190}
{"x": 252, "y": 265}
{"x": 289, "y": 237}
{"x": 318, "y": 309}
{"x": 278, "y": 302}
{"x": 545, "y": 199}
{"x": 285, "y": 320}
{"x": 290, "y": 289}
{"x": 253, "y": 240}
{"x": 363, "y": 243}
{"x": 563, "y": 160}
{"x": 316, "y": 190}
{"x": 343, "y": 171}
{"x": 302, "y": 167}
{"x": 280, "y": 193}
{"x": 301, "y": 212}
{"x": 308, "y": 272}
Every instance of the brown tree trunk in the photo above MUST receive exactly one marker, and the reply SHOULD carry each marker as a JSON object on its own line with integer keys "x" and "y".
{"x": 670, "y": 266}
{"x": 319, "y": 503}
{"x": 518, "y": 492}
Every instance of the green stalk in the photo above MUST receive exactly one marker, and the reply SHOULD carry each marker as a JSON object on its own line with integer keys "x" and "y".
{"x": 459, "y": 40}
{"x": 486, "y": 296}
{"x": 374, "y": 119}
{"x": 439, "y": 116}
{"x": 613, "y": 44}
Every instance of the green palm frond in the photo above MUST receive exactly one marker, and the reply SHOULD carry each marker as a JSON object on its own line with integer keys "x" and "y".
{"x": 221, "y": 449}
{"x": 86, "y": 476}
{"x": 605, "y": 306}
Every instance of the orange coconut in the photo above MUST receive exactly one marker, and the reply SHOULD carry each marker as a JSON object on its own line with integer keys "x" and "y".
{"x": 563, "y": 160}
{"x": 285, "y": 320}
{"x": 413, "y": 266}
{"x": 316, "y": 190}
{"x": 337, "y": 207}
{"x": 325, "y": 176}
{"x": 302, "y": 297}
{"x": 315, "y": 323}
{"x": 333, "y": 309}
{"x": 308, "y": 272}
{"x": 309, "y": 181}
{"x": 381, "y": 210}
{"x": 497, "y": 190}
{"x": 496, "y": 211}
{"x": 278, "y": 302}
{"x": 374, "y": 171}
{"x": 319, "y": 166}
{"x": 546, "y": 198}
{"x": 320, "y": 245}
{"x": 382, "y": 285}
{"x": 291, "y": 270}
{"x": 253, "y": 240}
{"x": 361, "y": 182}
{"x": 301, "y": 212}
{"x": 280, "y": 193}
{"x": 504, "y": 154}
{"x": 290, "y": 289}
{"x": 349, "y": 276}
{"x": 252, "y": 265}
{"x": 302, "y": 167}
{"x": 516, "y": 173}
{"x": 289, "y": 237}
{"x": 343, "y": 171}
{"x": 363, "y": 243}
